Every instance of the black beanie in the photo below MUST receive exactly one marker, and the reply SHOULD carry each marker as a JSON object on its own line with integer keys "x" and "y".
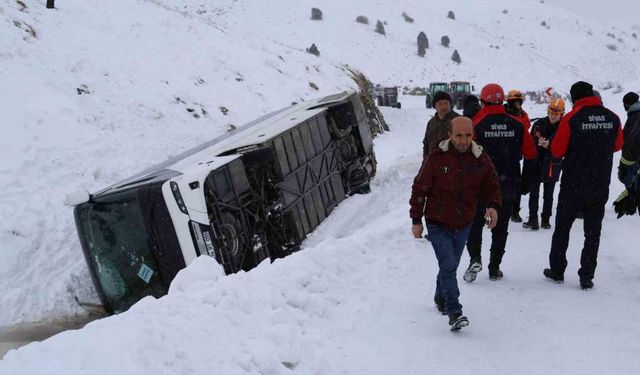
{"x": 471, "y": 99}
{"x": 629, "y": 99}
{"x": 440, "y": 95}
{"x": 579, "y": 90}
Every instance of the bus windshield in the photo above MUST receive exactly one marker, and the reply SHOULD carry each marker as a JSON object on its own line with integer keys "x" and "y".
{"x": 118, "y": 249}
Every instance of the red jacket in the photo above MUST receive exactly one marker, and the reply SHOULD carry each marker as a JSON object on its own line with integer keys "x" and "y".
{"x": 449, "y": 184}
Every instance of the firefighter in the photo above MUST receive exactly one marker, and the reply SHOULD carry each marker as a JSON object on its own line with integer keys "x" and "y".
{"x": 545, "y": 169}
{"x": 505, "y": 139}
{"x": 586, "y": 139}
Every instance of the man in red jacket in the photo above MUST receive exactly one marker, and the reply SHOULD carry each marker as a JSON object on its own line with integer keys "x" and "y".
{"x": 446, "y": 192}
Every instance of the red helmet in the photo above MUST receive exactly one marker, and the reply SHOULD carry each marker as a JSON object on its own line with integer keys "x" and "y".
{"x": 492, "y": 93}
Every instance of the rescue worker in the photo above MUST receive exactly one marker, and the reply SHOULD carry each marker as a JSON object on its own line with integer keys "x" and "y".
{"x": 545, "y": 169}
{"x": 630, "y": 160}
{"x": 506, "y": 140}
{"x": 586, "y": 139}
{"x": 628, "y": 169}
{"x": 513, "y": 106}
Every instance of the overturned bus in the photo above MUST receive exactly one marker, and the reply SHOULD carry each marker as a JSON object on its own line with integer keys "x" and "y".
{"x": 247, "y": 196}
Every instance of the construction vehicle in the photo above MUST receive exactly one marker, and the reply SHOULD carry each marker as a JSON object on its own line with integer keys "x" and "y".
{"x": 386, "y": 96}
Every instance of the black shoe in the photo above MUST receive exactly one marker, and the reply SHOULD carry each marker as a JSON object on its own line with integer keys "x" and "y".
{"x": 440, "y": 305}
{"x": 586, "y": 284}
{"x": 532, "y": 223}
{"x": 545, "y": 223}
{"x": 495, "y": 274}
{"x": 549, "y": 274}
{"x": 515, "y": 217}
{"x": 457, "y": 321}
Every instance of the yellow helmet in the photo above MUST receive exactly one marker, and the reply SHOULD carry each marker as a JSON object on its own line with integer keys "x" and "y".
{"x": 556, "y": 107}
{"x": 515, "y": 95}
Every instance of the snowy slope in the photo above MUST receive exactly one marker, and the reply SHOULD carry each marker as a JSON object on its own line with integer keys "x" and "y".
{"x": 94, "y": 92}
{"x": 358, "y": 300}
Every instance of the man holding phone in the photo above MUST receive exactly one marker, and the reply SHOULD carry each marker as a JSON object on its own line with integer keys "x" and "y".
{"x": 446, "y": 192}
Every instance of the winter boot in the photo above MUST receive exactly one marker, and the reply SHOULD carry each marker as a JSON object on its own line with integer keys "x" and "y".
{"x": 545, "y": 222}
{"x": 532, "y": 223}
{"x": 495, "y": 274}
{"x": 586, "y": 284}
{"x": 494, "y": 265}
{"x": 440, "y": 305}
{"x": 457, "y": 321}
{"x": 553, "y": 276}
{"x": 515, "y": 217}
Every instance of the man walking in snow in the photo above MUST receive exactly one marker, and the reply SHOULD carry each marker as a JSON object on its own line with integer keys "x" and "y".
{"x": 587, "y": 137}
{"x": 505, "y": 139}
{"x": 445, "y": 192}
{"x": 438, "y": 127}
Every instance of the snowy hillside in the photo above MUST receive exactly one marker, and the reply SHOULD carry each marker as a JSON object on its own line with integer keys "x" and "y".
{"x": 94, "y": 92}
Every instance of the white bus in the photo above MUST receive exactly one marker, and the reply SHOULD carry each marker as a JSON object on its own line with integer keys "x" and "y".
{"x": 250, "y": 195}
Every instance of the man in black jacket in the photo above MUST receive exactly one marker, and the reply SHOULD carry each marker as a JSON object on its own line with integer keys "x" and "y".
{"x": 545, "y": 169}
{"x": 506, "y": 140}
{"x": 587, "y": 137}
{"x": 629, "y": 161}
{"x": 628, "y": 169}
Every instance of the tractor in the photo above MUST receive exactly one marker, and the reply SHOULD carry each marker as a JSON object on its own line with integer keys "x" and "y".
{"x": 434, "y": 87}
{"x": 459, "y": 92}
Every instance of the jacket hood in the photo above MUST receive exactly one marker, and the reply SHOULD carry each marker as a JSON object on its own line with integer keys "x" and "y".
{"x": 634, "y": 108}
{"x": 476, "y": 149}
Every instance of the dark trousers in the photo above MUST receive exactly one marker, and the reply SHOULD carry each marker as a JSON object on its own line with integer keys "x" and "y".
{"x": 448, "y": 246}
{"x": 498, "y": 234}
{"x": 547, "y": 198}
{"x": 569, "y": 204}
{"x": 516, "y": 202}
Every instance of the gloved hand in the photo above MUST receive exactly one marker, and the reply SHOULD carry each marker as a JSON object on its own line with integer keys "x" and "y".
{"x": 626, "y": 204}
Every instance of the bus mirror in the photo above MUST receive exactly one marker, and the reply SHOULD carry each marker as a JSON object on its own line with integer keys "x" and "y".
{"x": 77, "y": 198}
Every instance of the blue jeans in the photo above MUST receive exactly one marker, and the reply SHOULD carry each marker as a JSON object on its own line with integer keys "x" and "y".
{"x": 448, "y": 246}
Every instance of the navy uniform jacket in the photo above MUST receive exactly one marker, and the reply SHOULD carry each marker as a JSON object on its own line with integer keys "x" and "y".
{"x": 587, "y": 137}
{"x": 506, "y": 140}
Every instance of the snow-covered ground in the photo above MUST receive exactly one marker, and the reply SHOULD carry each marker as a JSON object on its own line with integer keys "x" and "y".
{"x": 93, "y": 92}
{"x": 358, "y": 300}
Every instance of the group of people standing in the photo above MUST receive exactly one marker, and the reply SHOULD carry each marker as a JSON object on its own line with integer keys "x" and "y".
{"x": 471, "y": 176}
